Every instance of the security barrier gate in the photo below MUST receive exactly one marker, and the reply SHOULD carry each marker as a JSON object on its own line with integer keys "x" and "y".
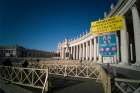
{"x": 31, "y": 77}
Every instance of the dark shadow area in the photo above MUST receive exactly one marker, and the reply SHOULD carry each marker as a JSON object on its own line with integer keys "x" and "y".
{"x": 7, "y": 62}
{"x": 1, "y": 91}
{"x": 56, "y": 84}
{"x": 73, "y": 85}
{"x": 34, "y": 90}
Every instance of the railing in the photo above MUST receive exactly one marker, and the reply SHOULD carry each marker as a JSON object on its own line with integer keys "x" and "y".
{"x": 31, "y": 77}
{"x": 80, "y": 71}
{"x": 91, "y": 71}
{"x": 127, "y": 85}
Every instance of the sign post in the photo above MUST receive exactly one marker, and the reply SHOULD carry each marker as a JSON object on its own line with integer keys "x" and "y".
{"x": 105, "y": 30}
{"x": 111, "y": 24}
{"x": 108, "y": 45}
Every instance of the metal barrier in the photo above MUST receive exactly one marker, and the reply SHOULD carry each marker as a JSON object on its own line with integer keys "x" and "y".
{"x": 127, "y": 85}
{"x": 80, "y": 71}
{"x": 36, "y": 78}
{"x": 91, "y": 71}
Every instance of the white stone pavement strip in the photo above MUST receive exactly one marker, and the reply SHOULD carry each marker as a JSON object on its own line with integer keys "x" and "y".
{"x": 11, "y": 88}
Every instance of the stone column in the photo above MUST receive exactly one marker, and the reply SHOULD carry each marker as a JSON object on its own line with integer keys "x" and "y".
{"x": 95, "y": 49}
{"x": 136, "y": 26}
{"x": 83, "y": 51}
{"x": 91, "y": 49}
{"x": 74, "y": 52}
{"x": 118, "y": 52}
{"x": 124, "y": 44}
{"x": 80, "y": 52}
{"x": 77, "y": 52}
{"x": 71, "y": 52}
{"x": 60, "y": 52}
{"x": 64, "y": 54}
{"x": 87, "y": 50}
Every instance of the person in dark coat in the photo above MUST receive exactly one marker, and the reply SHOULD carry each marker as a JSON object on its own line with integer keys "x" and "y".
{"x": 25, "y": 64}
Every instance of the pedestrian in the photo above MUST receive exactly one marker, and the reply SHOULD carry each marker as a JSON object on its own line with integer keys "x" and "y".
{"x": 25, "y": 64}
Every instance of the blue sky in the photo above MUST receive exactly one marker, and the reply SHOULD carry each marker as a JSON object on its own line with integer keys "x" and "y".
{"x": 41, "y": 24}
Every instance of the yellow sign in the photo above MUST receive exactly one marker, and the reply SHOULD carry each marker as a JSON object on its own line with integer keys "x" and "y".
{"x": 111, "y": 24}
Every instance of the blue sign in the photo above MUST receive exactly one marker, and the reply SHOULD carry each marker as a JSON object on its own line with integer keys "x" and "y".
{"x": 108, "y": 45}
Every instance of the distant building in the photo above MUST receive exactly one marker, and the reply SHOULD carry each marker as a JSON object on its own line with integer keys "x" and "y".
{"x": 19, "y": 51}
{"x": 39, "y": 53}
{"x": 12, "y": 51}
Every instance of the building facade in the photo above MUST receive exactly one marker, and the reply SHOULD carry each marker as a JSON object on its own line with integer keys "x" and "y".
{"x": 39, "y": 53}
{"x": 86, "y": 47}
{"x": 12, "y": 51}
{"x": 19, "y": 51}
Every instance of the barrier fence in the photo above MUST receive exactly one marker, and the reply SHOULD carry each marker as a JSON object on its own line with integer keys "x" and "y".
{"x": 79, "y": 70}
{"x": 90, "y": 71}
{"x": 32, "y": 77}
{"x": 127, "y": 85}
{"x": 36, "y": 77}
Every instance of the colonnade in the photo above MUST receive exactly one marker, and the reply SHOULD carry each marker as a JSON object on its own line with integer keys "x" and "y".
{"x": 89, "y": 50}
{"x": 136, "y": 26}
{"x": 84, "y": 51}
{"x": 124, "y": 45}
